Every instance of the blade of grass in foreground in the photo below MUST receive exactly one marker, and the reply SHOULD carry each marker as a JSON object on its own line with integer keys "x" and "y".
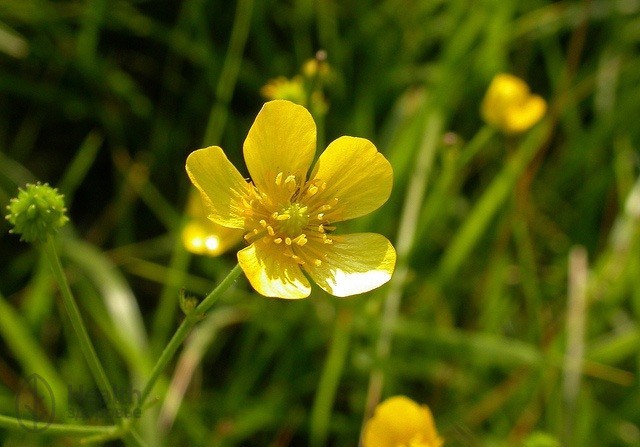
{"x": 14, "y": 331}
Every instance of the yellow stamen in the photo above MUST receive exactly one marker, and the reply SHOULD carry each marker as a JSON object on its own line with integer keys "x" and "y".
{"x": 290, "y": 183}
{"x": 301, "y": 240}
{"x": 295, "y": 257}
{"x": 312, "y": 190}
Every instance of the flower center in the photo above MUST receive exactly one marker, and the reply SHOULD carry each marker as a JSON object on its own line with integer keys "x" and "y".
{"x": 292, "y": 219}
{"x": 294, "y": 216}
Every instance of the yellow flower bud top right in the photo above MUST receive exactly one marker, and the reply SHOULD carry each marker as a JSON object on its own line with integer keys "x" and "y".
{"x": 510, "y": 106}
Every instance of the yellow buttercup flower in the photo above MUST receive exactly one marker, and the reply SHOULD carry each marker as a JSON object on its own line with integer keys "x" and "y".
{"x": 289, "y": 217}
{"x": 400, "y": 422}
{"x": 202, "y": 236}
{"x": 316, "y": 68}
{"x": 510, "y": 106}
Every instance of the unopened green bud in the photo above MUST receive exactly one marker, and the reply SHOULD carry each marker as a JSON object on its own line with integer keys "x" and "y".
{"x": 37, "y": 212}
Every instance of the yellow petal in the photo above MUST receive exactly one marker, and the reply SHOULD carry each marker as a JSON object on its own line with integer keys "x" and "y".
{"x": 356, "y": 174}
{"x": 526, "y": 115}
{"x": 222, "y": 186}
{"x": 504, "y": 91}
{"x": 399, "y": 421}
{"x": 271, "y": 273}
{"x": 354, "y": 263}
{"x": 202, "y": 236}
{"x": 281, "y": 139}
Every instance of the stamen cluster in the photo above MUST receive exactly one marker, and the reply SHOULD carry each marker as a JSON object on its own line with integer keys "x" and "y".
{"x": 295, "y": 215}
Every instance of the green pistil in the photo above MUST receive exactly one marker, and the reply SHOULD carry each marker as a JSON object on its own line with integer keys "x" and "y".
{"x": 297, "y": 218}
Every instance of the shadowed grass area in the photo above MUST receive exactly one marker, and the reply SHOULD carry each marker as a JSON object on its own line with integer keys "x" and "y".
{"x": 515, "y": 303}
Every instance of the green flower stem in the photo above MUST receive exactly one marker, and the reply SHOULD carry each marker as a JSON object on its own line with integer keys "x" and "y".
{"x": 183, "y": 331}
{"x": 11, "y": 423}
{"x": 70, "y": 305}
{"x": 330, "y": 378}
{"x": 479, "y": 141}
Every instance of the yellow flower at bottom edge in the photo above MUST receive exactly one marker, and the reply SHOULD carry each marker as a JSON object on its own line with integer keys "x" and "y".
{"x": 510, "y": 106}
{"x": 400, "y": 422}
{"x": 202, "y": 236}
{"x": 288, "y": 217}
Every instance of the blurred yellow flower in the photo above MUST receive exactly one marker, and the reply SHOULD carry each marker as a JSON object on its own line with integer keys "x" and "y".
{"x": 288, "y": 217}
{"x": 400, "y": 422}
{"x": 304, "y": 89}
{"x": 202, "y": 236}
{"x": 295, "y": 90}
{"x": 316, "y": 68}
{"x": 284, "y": 88}
{"x": 510, "y": 106}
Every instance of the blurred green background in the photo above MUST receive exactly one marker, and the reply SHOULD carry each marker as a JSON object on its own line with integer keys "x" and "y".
{"x": 104, "y": 99}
